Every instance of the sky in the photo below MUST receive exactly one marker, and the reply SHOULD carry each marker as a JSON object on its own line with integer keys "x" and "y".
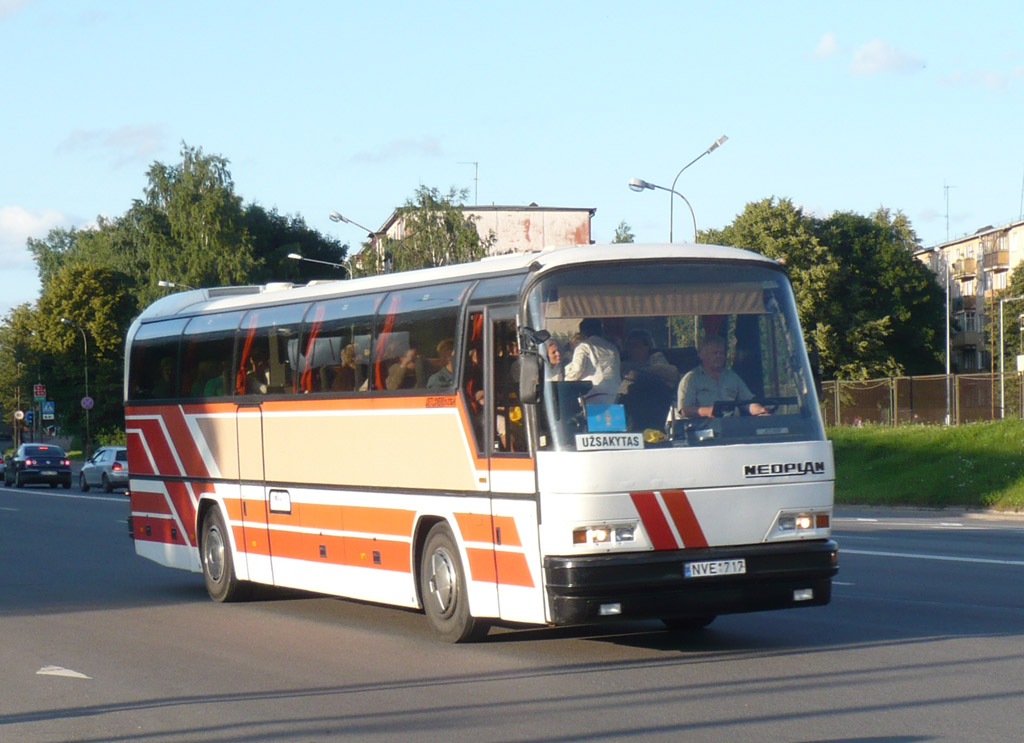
{"x": 351, "y": 106}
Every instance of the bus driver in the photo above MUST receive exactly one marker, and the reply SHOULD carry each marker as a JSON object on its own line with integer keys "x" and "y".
{"x": 712, "y": 382}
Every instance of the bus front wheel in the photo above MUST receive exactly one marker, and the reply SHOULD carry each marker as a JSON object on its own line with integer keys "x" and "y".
{"x": 218, "y": 568}
{"x": 443, "y": 589}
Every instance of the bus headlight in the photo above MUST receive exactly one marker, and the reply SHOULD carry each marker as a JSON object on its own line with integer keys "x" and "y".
{"x": 801, "y": 525}
{"x": 605, "y": 534}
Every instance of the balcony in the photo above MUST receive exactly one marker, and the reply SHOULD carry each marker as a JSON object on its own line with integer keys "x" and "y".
{"x": 997, "y": 260}
{"x": 968, "y": 338}
{"x": 965, "y": 268}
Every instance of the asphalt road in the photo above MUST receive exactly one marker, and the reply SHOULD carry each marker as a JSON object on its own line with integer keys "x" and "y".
{"x": 922, "y": 642}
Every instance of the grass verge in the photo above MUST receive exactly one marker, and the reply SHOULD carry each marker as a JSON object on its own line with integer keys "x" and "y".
{"x": 980, "y": 465}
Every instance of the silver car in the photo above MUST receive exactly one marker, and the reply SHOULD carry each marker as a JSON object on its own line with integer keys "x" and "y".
{"x": 107, "y": 468}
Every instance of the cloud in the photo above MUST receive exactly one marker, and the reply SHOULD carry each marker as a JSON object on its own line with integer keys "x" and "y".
{"x": 17, "y": 225}
{"x": 401, "y": 148}
{"x": 127, "y": 144}
{"x": 827, "y": 47}
{"x": 877, "y": 57}
{"x": 10, "y": 7}
{"x": 991, "y": 80}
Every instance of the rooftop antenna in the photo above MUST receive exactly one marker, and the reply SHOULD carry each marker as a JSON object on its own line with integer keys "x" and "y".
{"x": 946, "y": 188}
{"x": 476, "y": 179}
{"x": 1021, "y": 199}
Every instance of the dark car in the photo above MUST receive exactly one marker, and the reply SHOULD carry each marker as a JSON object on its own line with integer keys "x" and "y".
{"x": 107, "y": 468}
{"x": 34, "y": 463}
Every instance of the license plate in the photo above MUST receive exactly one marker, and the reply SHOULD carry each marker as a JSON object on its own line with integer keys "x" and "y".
{"x": 714, "y": 568}
{"x": 49, "y": 473}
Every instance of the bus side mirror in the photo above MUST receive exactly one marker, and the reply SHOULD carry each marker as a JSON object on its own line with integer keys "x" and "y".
{"x": 530, "y": 369}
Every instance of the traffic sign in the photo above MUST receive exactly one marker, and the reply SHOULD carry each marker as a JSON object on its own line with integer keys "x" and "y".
{"x": 19, "y": 415}
{"x": 87, "y": 403}
{"x": 29, "y": 416}
{"x": 39, "y": 392}
{"x": 48, "y": 410}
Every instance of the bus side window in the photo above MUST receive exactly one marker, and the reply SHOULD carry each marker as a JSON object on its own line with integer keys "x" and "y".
{"x": 413, "y": 330}
{"x": 154, "y": 360}
{"x": 335, "y": 346}
{"x": 509, "y": 433}
{"x": 472, "y": 385}
{"x": 207, "y": 351}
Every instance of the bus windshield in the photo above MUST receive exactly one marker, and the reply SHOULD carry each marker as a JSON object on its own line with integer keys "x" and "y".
{"x": 671, "y": 354}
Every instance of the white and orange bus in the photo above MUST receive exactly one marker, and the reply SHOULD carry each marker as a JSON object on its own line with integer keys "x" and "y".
{"x": 405, "y": 439}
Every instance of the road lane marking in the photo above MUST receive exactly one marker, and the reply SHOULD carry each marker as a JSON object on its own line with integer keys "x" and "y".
{"x": 58, "y": 671}
{"x": 941, "y": 558}
{"x": 4, "y": 508}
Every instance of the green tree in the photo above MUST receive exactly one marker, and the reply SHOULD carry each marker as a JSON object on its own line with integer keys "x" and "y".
{"x": 54, "y": 251}
{"x": 274, "y": 236}
{"x": 436, "y": 232}
{"x": 866, "y": 304}
{"x": 623, "y": 233}
{"x": 94, "y": 300}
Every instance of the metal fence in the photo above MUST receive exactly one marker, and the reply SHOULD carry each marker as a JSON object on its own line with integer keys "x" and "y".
{"x": 941, "y": 399}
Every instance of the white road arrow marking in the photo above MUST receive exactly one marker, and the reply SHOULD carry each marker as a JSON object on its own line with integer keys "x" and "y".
{"x": 58, "y": 671}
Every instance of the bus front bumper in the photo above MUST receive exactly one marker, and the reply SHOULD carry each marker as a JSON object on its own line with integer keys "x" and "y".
{"x": 654, "y": 585}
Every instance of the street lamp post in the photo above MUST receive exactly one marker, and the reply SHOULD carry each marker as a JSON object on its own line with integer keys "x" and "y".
{"x": 85, "y": 346}
{"x": 639, "y": 185}
{"x": 1002, "y": 353}
{"x": 345, "y": 265}
{"x": 173, "y": 285}
{"x": 374, "y": 242}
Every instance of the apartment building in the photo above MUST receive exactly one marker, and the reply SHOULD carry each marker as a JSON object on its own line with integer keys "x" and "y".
{"x": 977, "y": 268}
{"x": 518, "y": 229}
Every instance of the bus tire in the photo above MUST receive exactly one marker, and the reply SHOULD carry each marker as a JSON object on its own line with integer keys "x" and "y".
{"x": 687, "y": 624}
{"x": 443, "y": 589}
{"x": 218, "y": 568}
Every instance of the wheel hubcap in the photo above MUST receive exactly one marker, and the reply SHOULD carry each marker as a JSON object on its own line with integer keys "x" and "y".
{"x": 443, "y": 581}
{"x": 213, "y": 555}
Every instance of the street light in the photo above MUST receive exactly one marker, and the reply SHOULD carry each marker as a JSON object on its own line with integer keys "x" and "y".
{"x": 338, "y": 217}
{"x": 638, "y": 185}
{"x": 1002, "y": 375}
{"x": 297, "y": 257}
{"x": 173, "y": 285}
{"x": 85, "y": 344}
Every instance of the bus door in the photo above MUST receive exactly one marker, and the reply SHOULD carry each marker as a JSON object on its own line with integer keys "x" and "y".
{"x": 513, "y": 479}
{"x": 253, "y": 492}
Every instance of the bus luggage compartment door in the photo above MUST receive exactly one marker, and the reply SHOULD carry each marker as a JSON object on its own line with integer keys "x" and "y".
{"x": 253, "y": 492}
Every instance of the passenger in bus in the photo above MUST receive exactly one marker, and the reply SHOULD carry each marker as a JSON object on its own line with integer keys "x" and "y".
{"x": 641, "y": 357}
{"x": 554, "y": 370}
{"x": 164, "y": 386}
{"x": 345, "y": 375}
{"x": 445, "y": 376}
{"x": 712, "y": 382}
{"x": 649, "y": 382}
{"x": 595, "y": 360}
{"x": 257, "y": 371}
{"x": 407, "y": 373}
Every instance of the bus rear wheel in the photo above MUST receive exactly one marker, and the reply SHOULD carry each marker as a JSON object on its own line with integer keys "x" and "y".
{"x": 218, "y": 568}
{"x": 443, "y": 589}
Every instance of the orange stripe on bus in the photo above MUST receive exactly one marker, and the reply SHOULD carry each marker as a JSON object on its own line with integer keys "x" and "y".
{"x": 475, "y": 527}
{"x": 513, "y": 569}
{"x": 481, "y": 565}
{"x": 509, "y": 532}
{"x": 149, "y": 502}
{"x": 393, "y": 521}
